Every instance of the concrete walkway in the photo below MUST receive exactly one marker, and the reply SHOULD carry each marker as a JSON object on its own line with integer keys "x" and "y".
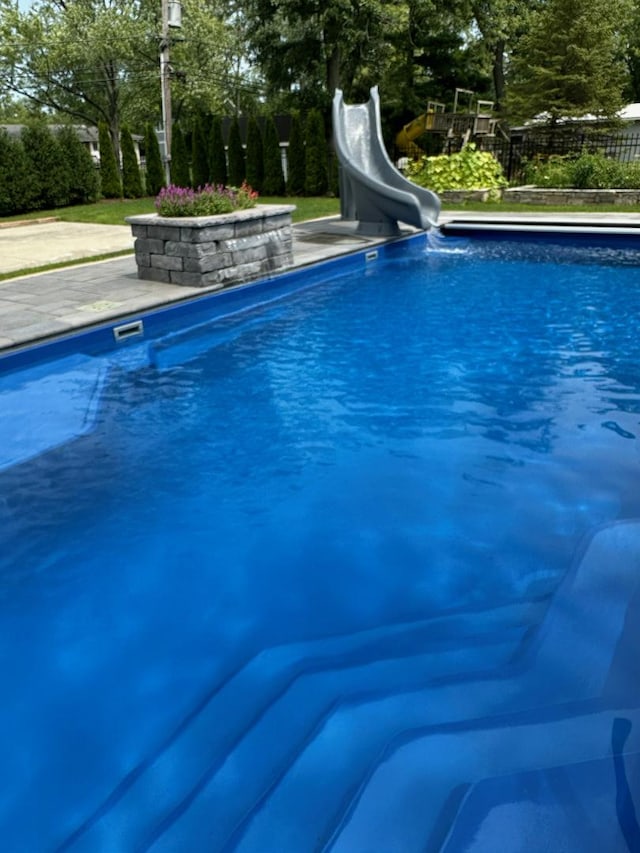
{"x": 45, "y": 305}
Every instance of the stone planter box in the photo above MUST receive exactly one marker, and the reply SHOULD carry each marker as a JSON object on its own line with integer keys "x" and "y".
{"x": 542, "y": 196}
{"x": 460, "y": 196}
{"x": 205, "y": 251}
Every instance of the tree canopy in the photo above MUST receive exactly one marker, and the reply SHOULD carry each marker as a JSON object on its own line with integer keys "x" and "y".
{"x": 98, "y": 60}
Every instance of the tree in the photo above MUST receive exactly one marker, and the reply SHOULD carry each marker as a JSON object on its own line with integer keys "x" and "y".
{"x": 571, "y": 62}
{"x": 236, "y": 155}
{"x": 131, "y": 181}
{"x": 273, "y": 177}
{"x": 296, "y": 157}
{"x": 315, "y": 46}
{"x": 255, "y": 156}
{"x": 18, "y": 180}
{"x": 110, "y": 185}
{"x": 48, "y": 164}
{"x": 154, "y": 177}
{"x": 83, "y": 175}
{"x": 199, "y": 154}
{"x": 316, "y": 172}
{"x": 217, "y": 155}
{"x": 180, "y": 172}
{"x": 96, "y": 60}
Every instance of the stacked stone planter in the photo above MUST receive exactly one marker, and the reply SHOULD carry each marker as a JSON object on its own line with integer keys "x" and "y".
{"x": 205, "y": 251}
{"x": 540, "y": 195}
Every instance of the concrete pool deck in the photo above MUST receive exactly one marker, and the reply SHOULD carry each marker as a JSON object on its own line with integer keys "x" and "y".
{"x": 41, "y": 306}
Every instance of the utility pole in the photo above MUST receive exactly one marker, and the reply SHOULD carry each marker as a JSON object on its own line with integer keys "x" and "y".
{"x": 171, "y": 17}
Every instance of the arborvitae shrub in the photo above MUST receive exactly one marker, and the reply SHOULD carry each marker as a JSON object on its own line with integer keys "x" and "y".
{"x": 217, "y": 155}
{"x": 180, "y": 172}
{"x": 255, "y": 165}
{"x": 131, "y": 181}
{"x": 50, "y": 169}
{"x": 296, "y": 158}
{"x": 273, "y": 175}
{"x": 154, "y": 176}
{"x": 83, "y": 174}
{"x": 200, "y": 175}
{"x": 110, "y": 185}
{"x": 236, "y": 155}
{"x": 316, "y": 173}
{"x": 19, "y": 185}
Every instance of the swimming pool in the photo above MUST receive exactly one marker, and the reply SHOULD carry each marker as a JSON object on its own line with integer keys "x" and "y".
{"x": 354, "y": 569}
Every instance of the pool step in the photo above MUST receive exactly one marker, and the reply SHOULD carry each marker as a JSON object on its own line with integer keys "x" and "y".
{"x": 45, "y": 406}
{"x": 275, "y": 702}
{"x": 438, "y": 781}
{"x": 335, "y": 788}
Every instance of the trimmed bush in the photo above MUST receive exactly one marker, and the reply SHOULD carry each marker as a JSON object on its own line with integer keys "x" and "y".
{"x": 131, "y": 181}
{"x": 316, "y": 171}
{"x": 18, "y": 181}
{"x": 180, "y": 172}
{"x": 83, "y": 173}
{"x": 217, "y": 155}
{"x": 49, "y": 165}
{"x": 236, "y": 155}
{"x": 200, "y": 173}
{"x": 468, "y": 169}
{"x": 296, "y": 158}
{"x": 110, "y": 185}
{"x": 154, "y": 177}
{"x": 255, "y": 155}
{"x": 273, "y": 175}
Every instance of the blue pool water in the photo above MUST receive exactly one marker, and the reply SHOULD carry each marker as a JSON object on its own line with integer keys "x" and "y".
{"x": 355, "y": 570}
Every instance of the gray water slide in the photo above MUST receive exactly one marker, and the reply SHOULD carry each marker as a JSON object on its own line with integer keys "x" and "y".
{"x": 372, "y": 190}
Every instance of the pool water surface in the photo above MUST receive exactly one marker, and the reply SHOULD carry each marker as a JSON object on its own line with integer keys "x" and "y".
{"x": 354, "y": 570}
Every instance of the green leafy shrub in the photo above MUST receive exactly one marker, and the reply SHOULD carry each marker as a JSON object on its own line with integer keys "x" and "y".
{"x": 18, "y": 181}
{"x": 200, "y": 172}
{"x": 255, "y": 157}
{"x": 206, "y": 201}
{"x": 316, "y": 161}
{"x": 217, "y": 155}
{"x": 553, "y": 171}
{"x": 49, "y": 165}
{"x": 273, "y": 183}
{"x": 588, "y": 171}
{"x": 237, "y": 167}
{"x": 110, "y": 185}
{"x": 131, "y": 181}
{"x": 154, "y": 174}
{"x": 83, "y": 174}
{"x": 468, "y": 169}
{"x": 296, "y": 157}
{"x": 180, "y": 170}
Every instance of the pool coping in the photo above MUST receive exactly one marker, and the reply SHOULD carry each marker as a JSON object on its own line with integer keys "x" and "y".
{"x": 54, "y": 306}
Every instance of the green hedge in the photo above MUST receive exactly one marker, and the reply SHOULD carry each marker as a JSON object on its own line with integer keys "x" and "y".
{"x": 44, "y": 169}
{"x": 587, "y": 171}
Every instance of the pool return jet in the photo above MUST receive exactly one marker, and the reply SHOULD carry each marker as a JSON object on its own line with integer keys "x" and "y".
{"x": 372, "y": 190}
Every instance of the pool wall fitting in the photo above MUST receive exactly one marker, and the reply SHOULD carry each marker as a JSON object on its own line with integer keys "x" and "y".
{"x": 202, "y": 251}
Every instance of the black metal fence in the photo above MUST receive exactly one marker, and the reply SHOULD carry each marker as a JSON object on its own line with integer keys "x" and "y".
{"x": 515, "y": 152}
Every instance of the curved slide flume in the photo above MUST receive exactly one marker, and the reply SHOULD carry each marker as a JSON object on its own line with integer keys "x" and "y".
{"x": 372, "y": 190}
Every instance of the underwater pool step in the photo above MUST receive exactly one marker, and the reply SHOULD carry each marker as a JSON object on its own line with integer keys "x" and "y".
{"x": 563, "y": 674}
{"x": 203, "y": 741}
{"x": 266, "y": 753}
{"x": 436, "y": 787}
{"x": 48, "y": 405}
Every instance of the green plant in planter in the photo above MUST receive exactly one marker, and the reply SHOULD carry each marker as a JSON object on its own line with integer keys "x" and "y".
{"x": 206, "y": 201}
{"x": 468, "y": 169}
